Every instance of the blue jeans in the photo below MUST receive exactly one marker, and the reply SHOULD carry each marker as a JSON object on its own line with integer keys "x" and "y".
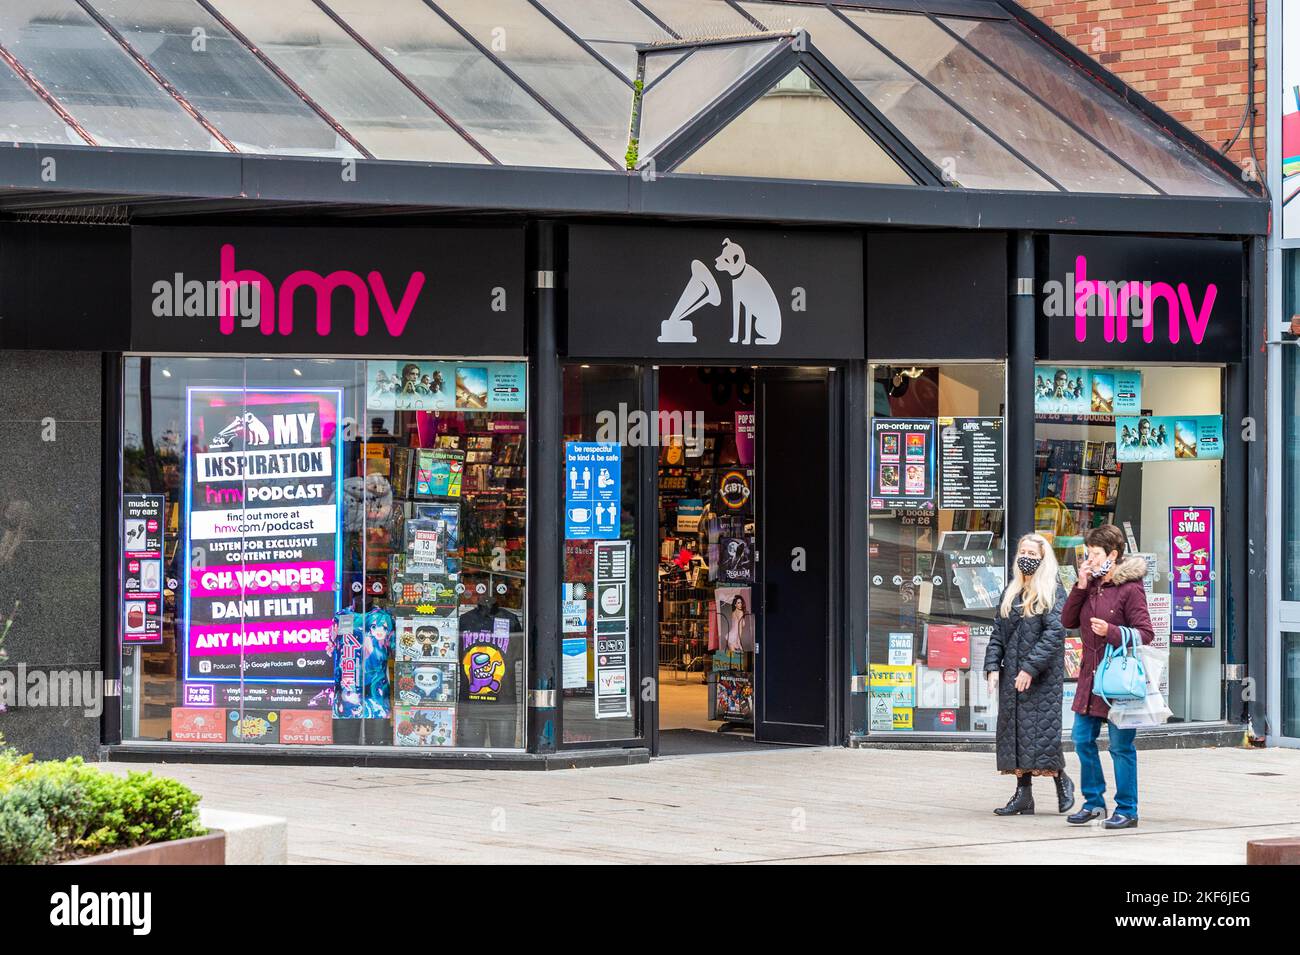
{"x": 1122, "y": 753}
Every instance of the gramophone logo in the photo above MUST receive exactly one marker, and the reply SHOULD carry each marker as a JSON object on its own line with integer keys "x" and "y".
{"x": 753, "y": 303}
{"x": 246, "y": 424}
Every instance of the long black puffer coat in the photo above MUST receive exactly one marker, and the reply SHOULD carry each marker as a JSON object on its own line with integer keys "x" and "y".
{"x": 1029, "y": 723}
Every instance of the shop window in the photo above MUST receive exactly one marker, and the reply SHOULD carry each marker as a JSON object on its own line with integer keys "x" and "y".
{"x": 937, "y": 552}
{"x": 599, "y": 594}
{"x": 324, "y": 552}
{"x": 1142, "y": 448}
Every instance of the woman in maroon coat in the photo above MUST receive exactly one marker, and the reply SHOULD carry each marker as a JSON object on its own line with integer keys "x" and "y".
{"x": 1109, "y": 595}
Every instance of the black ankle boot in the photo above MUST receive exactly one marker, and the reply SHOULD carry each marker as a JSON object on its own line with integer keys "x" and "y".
{"x": 1022, "y": 803}
{"x": 1064, "y": 792}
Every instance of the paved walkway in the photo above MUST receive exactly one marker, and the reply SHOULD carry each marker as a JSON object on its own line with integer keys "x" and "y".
{"x": 786, "y": 805}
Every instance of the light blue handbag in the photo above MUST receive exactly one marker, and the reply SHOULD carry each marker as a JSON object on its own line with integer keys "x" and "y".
{"x": 1120, "y": 675}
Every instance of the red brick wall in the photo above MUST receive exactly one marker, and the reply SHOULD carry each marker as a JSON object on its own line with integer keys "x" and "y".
{"x": 1188, "y": 57}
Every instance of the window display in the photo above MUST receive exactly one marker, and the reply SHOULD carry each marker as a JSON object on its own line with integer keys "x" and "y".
{"x": 1150, "y": 462}
{"x": 321, "y": 581}
{"x": 937, "y": 561}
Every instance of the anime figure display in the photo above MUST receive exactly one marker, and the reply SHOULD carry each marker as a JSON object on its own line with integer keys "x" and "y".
{"x": 345, "y": 645}
{"x": 361, "y": 655}
{"x": 376, "y": 649}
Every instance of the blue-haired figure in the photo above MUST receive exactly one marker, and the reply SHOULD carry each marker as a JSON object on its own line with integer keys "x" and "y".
{"x": 345, "y": 644}
{"x": 377, "y": 648}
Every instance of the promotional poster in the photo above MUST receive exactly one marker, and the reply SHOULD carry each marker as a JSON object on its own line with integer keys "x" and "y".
{"x": 735, "y": 697}
{"x": 446, "y": 386}
{"x": 898, "y": 683}
{"x": 142, "y": 569}
{"x": 1106, "y": 391}
{"x": 736, "y": 560}
{"x": 439, "y": 472}
{"x": 735, "y": 489}
{"x": 1191, "y": 586}
{"x": 1169, "y": 438}
{"x": 262, "y": 544}
{"x": 745, "y": 424}
{"x": 971, "y": 472}
{"x": 734, "y": 607}
{"x": 902, "y": 463}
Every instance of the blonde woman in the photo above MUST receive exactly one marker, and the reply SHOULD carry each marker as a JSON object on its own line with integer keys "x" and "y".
{"x": 1025, "y": 664}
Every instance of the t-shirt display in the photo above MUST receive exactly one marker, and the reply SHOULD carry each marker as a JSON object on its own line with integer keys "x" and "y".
{"x": 491, "y": 643}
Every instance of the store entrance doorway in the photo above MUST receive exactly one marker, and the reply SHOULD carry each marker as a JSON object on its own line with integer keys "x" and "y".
{"x": 744, "y": 506}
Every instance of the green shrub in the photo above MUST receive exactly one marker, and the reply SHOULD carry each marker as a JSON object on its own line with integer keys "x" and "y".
{"x": 25, "y": 836}
{"x": 85, "y": 810}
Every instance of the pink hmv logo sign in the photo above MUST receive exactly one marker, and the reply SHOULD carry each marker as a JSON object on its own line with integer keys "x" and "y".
{"x": 273, "y": 308}
{"x": 343, "y": 289}
{"x": 1132, "y": 304}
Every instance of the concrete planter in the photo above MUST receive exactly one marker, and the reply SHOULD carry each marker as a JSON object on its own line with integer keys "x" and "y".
{"x": 201, "y": 850}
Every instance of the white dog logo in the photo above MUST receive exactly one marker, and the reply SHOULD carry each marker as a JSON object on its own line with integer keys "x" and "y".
{"x": 752, "y": 299}
{"x": 255, "y": 433}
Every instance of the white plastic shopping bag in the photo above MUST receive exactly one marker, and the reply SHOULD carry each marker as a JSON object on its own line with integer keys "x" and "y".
{"x": 1153, "y": 710}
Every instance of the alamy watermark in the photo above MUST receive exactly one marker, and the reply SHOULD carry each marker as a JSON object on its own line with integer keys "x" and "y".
{"x": 651, "y": 429}
{"x": 22, "y": 687}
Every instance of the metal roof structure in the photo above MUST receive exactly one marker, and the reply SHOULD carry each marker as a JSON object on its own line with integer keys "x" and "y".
{"x": 579, "y": 106}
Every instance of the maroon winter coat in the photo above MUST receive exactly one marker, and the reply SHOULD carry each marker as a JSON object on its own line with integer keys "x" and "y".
{"x": 1121, "y": 602}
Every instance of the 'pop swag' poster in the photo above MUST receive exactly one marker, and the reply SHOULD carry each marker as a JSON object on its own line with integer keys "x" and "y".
{"x": 262, "y": 544}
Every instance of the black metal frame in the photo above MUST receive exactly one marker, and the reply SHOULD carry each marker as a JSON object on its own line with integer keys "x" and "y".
{"x": 646, "y": 561}
{"x": 110, "y": 463}
{"x": 750, "y": 88}
{"x": 838, "y": 393}
{"x": 1252, "y": 644}
{"x": 647, "y": 553}
{"x": 857, "y": 388}
{"x": 152, "y": 184}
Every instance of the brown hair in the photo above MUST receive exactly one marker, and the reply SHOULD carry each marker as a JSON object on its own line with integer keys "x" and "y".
{"x": 1108, "y": 537}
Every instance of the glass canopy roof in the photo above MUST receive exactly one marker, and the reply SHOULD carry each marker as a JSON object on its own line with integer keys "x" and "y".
{"x": 756, "y": 88}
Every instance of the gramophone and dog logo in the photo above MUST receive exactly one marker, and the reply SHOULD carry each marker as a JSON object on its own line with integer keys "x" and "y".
{"x": 755, "y": 311}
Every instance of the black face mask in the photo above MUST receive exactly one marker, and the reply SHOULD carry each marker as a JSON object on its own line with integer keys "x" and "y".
{"x": 1029, "y": 565}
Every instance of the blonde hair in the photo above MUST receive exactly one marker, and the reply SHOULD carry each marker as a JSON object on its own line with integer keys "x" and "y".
{"x": 1040, "y": 591}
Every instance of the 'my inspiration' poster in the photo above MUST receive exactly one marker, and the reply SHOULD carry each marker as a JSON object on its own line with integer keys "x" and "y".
{"x": 263, "y": 540}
